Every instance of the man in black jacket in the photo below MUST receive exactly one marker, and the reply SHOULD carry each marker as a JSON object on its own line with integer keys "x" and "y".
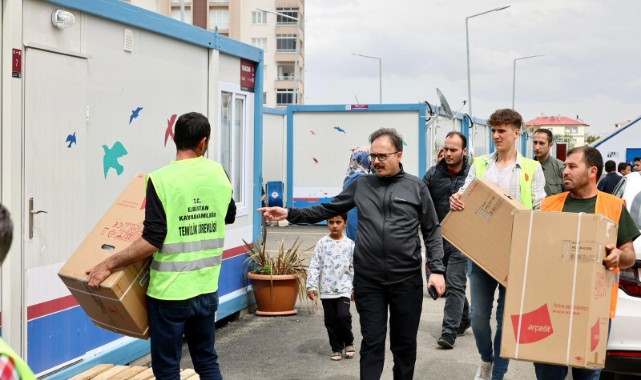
{"x": 611, "y": 179}
{"x": 392, "y": 206}
{"x": 443, "y": 180}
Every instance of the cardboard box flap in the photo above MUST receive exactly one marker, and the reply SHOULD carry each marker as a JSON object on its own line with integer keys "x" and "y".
{"x": 118, "y": 228}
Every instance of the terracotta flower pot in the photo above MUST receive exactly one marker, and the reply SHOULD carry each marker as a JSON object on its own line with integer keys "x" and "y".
{"x": 275, "y": 294}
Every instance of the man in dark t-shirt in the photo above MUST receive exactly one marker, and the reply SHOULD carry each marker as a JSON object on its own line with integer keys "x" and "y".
{"x": 611, "y": 179}
{"x": 582, "y": 169}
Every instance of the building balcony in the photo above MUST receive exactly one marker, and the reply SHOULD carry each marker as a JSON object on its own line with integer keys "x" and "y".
{"x": 286, "y": 83}
{"x": 287, "y": 56}
{"x": 290, "y": 29}
{"x": 290, "y": 3}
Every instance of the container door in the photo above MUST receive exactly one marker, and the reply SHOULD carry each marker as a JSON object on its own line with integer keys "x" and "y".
{"x": 55, "y": 139}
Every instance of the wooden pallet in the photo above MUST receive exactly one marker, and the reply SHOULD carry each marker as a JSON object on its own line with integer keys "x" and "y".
{"x": 121, "y": 372}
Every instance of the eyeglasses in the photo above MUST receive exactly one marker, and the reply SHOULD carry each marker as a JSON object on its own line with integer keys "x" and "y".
{"x": 381, "y": 156}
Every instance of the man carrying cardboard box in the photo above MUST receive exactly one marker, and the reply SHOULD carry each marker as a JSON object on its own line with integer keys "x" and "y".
{"x": 523, "y": 179}
{"x": 583, "y": 167}
{"x": 188, "y": 204}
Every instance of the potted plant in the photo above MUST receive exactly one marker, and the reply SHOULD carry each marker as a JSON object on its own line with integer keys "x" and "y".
{"x": 277, "y": 279}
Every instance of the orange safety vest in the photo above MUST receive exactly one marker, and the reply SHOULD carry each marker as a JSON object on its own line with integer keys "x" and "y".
{"x": 607, "y": 205}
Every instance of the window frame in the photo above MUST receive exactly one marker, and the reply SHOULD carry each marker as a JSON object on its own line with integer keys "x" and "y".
{"x": 242, "y": 196}
{"x": 259, "y": 18}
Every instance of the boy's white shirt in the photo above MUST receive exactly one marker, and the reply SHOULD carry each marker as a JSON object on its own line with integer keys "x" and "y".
{"x": 331, "y": 270}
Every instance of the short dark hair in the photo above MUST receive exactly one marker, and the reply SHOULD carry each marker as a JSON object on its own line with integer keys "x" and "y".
{"x": 591, "y": 157}
{"x": 344, "y": 216}
{"x": 460, "y": 135}
{"x": 6, "y": 232}
{"x": 505, "y": 116}
{"x": 547, "y": 132}
{"x": 622, "y": 166}
{"x": 190, "y": 129}
{"x": 610, "y": 166}
{"x": 394, "y": 136}
{"x": 636, "y": 159}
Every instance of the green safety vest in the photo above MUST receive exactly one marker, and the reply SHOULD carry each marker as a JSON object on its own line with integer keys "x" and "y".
{"x": 528, "y": 168}
{"x": 195, "y": 194}
{"x": 21, "y": 366}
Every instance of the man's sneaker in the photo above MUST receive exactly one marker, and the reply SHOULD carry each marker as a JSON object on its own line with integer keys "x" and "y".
{"x": 484, "y": 372}
{"x": 463, "y": 327}
{"x": 447, "y": 341}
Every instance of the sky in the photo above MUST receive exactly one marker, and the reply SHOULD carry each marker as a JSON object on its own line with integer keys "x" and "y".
{"x": 590, "y": 68}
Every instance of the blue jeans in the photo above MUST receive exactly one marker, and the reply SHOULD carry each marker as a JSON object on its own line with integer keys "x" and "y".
{"x": 482, "y": 290}
{"x": 168, "y": 321}
{"x": 558, "y": 372}
{"x": 456, "y": 311}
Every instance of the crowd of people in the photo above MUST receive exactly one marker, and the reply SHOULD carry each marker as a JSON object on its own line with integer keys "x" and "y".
{"x": 372, "y": 258}
{"x": 386, "y": 265}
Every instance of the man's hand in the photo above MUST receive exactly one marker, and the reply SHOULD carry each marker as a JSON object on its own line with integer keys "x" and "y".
{"x": 274, "y": 213}
{"x": 456, "y": 204}
{"x": 438, "y": 281}
{"x": 619, "y": 257}
{"x": 140, "y": 249}
{"x": 312, "y": 294}
{"x": 97, "y": 275}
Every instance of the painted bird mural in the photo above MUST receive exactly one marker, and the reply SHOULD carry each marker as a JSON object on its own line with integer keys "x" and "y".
{"x": 110, "y": 159}
{"x": 170, "y": 125}
{"x": 134, "y": 114}
{"x": 340, "y": 129}
{"x": 71, "y": 139}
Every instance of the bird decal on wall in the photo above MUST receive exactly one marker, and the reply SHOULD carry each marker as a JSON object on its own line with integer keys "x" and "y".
{"x": 71, "y": 139}
{"x": 134, "y": 114}
{"x": 170, "y": 125}
{"x": 312, "y": 132}
{"x": 110, "y": 159}
{"x": 339, "y": 129}
{"x": 315, "y": 160}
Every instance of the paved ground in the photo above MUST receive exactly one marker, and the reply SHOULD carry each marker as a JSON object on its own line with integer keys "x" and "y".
{"x": 296, "y": 347}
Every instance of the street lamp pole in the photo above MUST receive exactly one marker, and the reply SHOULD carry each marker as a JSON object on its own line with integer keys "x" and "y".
{"x": 514, "y": 74}
{"x": 467, "y": 45}
{"x": 380, "y": 75}
{"x": 297, "y": 48}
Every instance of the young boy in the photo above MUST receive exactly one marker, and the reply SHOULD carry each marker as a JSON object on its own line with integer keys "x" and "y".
{"x": 332, "y": 271}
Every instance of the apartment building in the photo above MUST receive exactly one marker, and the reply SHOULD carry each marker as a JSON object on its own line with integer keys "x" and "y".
{"x": 276, "y": 26}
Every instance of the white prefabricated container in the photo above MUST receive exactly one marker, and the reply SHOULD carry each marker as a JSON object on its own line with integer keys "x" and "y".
{"x": 87, "y": 108}
{"x": 320, "y": 139}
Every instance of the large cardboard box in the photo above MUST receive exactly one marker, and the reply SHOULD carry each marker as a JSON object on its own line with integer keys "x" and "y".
{"x": 119, "y": 305}
{"x": 558, "y": 301}
{"x": 483, "y": 230}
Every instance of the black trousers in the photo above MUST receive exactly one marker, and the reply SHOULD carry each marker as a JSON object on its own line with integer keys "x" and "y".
{"x": 338, "y": 321}
{"x": 404, "y": 301}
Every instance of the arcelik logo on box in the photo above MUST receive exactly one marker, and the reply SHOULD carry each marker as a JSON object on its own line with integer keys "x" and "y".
{"x": 534, "y": 326}
{"x": 595, "y": 335}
